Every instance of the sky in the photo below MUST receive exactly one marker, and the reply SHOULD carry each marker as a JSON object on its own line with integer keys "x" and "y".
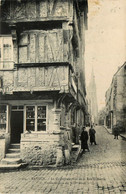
{"x": 105, "y": 42}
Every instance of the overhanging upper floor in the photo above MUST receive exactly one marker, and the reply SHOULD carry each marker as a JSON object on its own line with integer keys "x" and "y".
{"x": 32, "y": 10}
{"x": 39, "y": 78}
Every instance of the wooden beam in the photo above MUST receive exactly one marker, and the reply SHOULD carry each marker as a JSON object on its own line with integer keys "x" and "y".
{"x": 57, "y": 64}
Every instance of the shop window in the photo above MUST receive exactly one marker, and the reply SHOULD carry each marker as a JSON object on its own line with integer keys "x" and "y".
{"x": 36, "y": 118}
{"x": 30, "y": 118}
{"x": 2, "y": 117}
{"x": 41, "y": 118}
{"x": 6, "y": 52}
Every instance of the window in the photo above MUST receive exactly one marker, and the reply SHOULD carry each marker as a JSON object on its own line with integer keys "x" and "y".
{"x": 36, "y": 118}
{"x": 6, "y": 52}
{"x": 17, "y": 108}
{"x": 41, "y": 118}
{"x": 30, "y": 118}
{"x": 2, "y": 117}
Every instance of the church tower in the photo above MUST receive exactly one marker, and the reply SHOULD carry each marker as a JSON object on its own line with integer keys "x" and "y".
{"x": 92, "y": 96}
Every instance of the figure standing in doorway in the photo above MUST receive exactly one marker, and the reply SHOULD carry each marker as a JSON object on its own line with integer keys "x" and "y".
{"x": 92, "y": 135}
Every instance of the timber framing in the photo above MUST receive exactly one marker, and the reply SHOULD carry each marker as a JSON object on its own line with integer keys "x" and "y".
{"x": 56, "y": 64}
{"x": 42, "y": 78}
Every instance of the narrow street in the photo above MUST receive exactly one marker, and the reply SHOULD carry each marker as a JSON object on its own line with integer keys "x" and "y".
{"x": 100, "y": 171}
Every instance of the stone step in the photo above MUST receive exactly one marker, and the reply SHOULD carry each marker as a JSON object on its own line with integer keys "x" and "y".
{"x": 12, "y": 166}
{"x": 13, "y": 155}
{"x": 13, "y": 150}
{"x": 75, "y": 147}
{"x": 76, "y": 150}
{"x": 15, "y": 146}
{"x": 11, "y": 161}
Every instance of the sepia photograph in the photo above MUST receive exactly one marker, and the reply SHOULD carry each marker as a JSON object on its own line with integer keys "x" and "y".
{"x": 63, "y": 96}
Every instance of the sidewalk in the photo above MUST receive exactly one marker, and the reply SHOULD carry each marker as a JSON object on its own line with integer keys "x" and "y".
{"x": 108, "y": 129}
{"x": 123, "y": 135}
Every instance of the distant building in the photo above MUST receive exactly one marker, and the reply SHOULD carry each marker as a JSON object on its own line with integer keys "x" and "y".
{"x": 102, "y": 116}
{"x": 42, "y": 78}
{"x": 116, "y": 100}
{"x": 92, "y": 99}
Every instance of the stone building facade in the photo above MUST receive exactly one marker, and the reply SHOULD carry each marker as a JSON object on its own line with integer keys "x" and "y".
{"x": 116, "y": 100}
{"x": 42, "y": 78}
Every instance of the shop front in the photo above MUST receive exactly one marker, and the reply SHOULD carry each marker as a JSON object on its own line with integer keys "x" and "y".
{"x": 28, "y": 116}
{"x": 35, "y": 125}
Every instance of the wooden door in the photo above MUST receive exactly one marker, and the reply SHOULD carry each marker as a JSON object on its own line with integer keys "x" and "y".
{"x": 16, "y": 126}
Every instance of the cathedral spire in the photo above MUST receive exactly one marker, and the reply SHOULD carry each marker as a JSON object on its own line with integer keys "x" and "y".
{"x": 92, "y": 95}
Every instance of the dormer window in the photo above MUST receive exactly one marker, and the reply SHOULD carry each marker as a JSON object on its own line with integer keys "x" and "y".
{"x": 6, "y": 52}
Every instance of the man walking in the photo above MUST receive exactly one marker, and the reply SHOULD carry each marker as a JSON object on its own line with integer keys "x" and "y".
{"x": 92, "y": 135}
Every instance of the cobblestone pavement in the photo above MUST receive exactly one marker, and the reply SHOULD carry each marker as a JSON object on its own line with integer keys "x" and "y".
{"x": 100, "y": 171}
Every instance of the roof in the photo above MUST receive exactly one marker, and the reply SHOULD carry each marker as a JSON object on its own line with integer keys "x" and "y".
{"x": 124, "y": 65}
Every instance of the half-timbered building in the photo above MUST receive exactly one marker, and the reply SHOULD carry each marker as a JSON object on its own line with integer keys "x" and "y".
{"x": 42, "y": 78}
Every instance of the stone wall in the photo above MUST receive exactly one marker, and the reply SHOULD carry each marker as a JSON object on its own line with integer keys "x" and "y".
{"x": 44, "y": 149}
{"x": 4, "y": 144}
{"x": 120, "y": 100}
{"x": 2, "y": 148}
{"x": 7, "y": 141}
{"x": 116, "y": 99}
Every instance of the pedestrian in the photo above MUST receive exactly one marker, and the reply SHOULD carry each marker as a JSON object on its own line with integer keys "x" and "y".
{"x": 115, "y": 131}
{"x": 84, "y": 140}
{"x": 92, "y": 135}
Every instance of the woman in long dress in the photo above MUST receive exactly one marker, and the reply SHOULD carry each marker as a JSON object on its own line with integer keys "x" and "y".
{"x": 84, "y": 140}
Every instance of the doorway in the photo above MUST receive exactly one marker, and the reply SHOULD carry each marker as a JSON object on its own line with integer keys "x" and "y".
{"x": 16, "y": 126}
